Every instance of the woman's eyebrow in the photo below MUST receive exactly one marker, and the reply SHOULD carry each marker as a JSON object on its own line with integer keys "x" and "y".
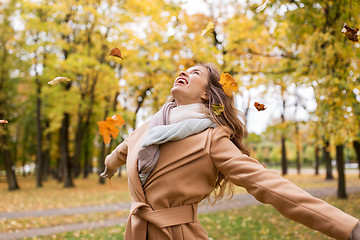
{"x": 194, "y": 70}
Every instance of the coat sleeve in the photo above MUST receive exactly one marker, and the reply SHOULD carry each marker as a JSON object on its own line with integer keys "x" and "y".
{"x": 269, "y": 187}
{"x": 117, "y": 157}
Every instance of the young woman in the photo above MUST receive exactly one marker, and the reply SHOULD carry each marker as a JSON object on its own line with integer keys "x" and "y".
{"x": 186, "y": 152}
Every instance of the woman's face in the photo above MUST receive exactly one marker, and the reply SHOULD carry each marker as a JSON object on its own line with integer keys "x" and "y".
{"x": 190, "y": 86}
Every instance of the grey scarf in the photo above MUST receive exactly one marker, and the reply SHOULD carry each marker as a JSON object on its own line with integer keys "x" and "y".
{"x": 160, "y": 132}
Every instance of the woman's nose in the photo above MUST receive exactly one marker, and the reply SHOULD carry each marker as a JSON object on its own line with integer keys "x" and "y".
{"x": 183, "y": 73}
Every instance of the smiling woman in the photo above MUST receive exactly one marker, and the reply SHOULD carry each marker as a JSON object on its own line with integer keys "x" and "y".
{"x": 186, "y": 152}
{"x": 190, "y": 86}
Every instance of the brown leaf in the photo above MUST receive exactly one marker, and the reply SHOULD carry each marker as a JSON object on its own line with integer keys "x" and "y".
{"x": 351, "y": 33}
{"x": 56, "y": 80}
{"x": 115, "y": 52}
{"x": 259, "y": 107}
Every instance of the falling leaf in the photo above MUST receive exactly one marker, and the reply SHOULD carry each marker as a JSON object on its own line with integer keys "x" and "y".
{"x": 217, "y": 108}
{"x": 109, "y": 127}
{"x": 56, "y": 80}
{"x": 228, "y": 84}
{"x": 259, "y": 107}
{"x": 209, "y": 29}
{"x": 115, "y": 52}
{"x": 4, "y": 121}
{"x": 351, "y": 33}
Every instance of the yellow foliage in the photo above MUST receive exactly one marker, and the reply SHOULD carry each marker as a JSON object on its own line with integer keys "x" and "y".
{"x": 228, "y": 84}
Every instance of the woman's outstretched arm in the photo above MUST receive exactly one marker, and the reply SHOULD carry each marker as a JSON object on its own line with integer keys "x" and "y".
{"x": 269, "y": 187}
{"x": 117, "y": 157}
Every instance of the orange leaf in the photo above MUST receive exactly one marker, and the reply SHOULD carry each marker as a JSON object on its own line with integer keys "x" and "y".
{"x": 109, "y": 127}
{"x": 115, "y": 52}
{"x": 228, "y": 84}
{"x": 259, "y": 107}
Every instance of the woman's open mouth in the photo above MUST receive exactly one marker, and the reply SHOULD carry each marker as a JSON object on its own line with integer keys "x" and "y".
{"x": 181, "y": 81}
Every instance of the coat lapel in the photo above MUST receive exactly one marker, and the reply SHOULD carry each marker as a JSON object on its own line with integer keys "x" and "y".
{"x": 178, "y": 153}
{"x": 134, "y": 143}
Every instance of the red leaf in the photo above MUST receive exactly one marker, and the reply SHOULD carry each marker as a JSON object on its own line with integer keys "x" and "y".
{"x": 259, "y": 107}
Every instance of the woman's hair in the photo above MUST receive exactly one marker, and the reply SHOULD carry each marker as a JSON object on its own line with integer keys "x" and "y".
{"x": 229, "y": 119}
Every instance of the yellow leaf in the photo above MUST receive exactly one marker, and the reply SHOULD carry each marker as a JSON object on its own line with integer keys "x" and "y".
{"x": 217, "y": 108}
{"x": 209, "y": 29}
{"x": 228, "y": 84}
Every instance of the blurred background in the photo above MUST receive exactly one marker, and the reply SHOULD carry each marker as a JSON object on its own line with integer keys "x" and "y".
{"x": 289, "y": 55}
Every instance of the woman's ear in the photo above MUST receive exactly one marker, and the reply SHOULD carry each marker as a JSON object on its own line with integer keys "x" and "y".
{"x": 204, "y": 97}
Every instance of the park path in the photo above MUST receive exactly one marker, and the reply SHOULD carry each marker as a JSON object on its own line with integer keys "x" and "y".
{"x": 238, "y": 201}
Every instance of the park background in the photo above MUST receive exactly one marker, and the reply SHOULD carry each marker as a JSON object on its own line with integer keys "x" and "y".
{"x": 287, "y": 54}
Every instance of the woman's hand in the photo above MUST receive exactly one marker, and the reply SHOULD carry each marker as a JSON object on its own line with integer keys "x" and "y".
{"x": 108, "y": 173}
{"x": 355, "y": 234}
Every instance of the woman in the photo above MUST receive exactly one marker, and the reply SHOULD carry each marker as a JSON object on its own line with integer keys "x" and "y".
{"x": 187, "y": 151}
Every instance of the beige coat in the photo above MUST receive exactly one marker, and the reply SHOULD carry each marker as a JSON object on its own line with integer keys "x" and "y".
{"x": 186, "y": 172}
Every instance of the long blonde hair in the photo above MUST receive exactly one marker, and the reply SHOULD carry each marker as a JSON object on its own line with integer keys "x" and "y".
{"x": 229, "y": 119}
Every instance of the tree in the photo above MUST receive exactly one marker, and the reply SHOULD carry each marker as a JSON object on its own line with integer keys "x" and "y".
{"x": 7, "y": 88}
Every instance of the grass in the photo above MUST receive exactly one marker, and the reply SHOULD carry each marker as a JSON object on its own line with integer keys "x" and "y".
{"x": 254, "y": 222}
{"x": 87, "y": 192}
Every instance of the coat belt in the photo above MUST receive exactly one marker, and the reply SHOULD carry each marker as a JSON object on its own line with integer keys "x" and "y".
{"x": 165, "y": 217}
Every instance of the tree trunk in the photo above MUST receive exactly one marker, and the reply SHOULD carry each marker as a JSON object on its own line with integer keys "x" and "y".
{"x": 78, "y": 146}
{"x": 103, "y": 152}
{"x": 101, "y": 162}
{"x": 39, "y": 157}
{"x": 87, "y": 160}
{"x": 327, "y": 158}
{"x": 66, "y": 161}
{"x": 357, "y": 150}
{"x": 341, "y": 171}
{"x": 317, "y": 159}
{"x": 46, "y": 155}
{"x": 8, "y": 163}
{"x": 297, "y": 147}
{"x": 284, "y": 163}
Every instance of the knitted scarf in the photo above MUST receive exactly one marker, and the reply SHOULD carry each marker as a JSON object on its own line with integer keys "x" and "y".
{"x": 161, "y": 132}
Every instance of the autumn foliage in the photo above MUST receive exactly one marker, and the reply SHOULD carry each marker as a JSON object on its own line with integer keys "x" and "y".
{"x": 228, "y": 84}
{"x": 110, "y": 127}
